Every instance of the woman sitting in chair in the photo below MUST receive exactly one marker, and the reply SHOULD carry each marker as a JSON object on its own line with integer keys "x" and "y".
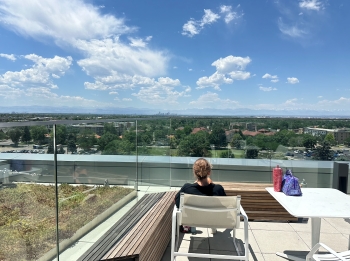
{"x": 203, "y": 185}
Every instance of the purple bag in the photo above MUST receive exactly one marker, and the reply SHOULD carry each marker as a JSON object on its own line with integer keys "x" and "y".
{"x": 290, "y": 184}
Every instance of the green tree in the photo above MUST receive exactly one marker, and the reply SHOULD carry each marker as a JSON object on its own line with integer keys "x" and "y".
{"x": 71, "y": 146}
{"x": 61, "y": 134}
{"x": 86, "y": 140}
{"x": 236, "y": 141}
{"x": 309, "y": 141}
{"x": 330, "y": 139}
{"x": 218, "y": 137}
{"x": 50, "y": 147}
{"x": 187, "y": 130}
{"x": 61, "y": 151}
{"x": 347, "y": 141}
{"x": 106, "y": 139}
{"x": 15, "y": 135}
{"x": 227, "y": 154}
{"x": 323, "y": 152}
{"x": 252, "y": 152}
{"x": 195, "y": 145}
{"x": 2, "y": 135}
{"x": 119, "y": 147}
{"x": 109, "y": 127}
{"x": 38, "y": 134}
{"x": 26, "y": 137}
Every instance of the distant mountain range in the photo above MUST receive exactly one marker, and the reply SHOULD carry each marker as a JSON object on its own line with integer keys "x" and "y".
{"x": 187, "y": 112}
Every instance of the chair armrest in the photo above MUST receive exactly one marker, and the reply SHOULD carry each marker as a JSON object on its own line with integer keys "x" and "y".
{"x": 317, "y": 246}
{"x": 242, "y": 213}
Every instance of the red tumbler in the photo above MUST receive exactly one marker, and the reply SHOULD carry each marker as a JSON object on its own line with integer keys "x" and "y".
{"x": 277, "y": 174}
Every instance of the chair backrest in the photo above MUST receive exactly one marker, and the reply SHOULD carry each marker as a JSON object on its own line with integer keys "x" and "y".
{"x": 209, "y": 211}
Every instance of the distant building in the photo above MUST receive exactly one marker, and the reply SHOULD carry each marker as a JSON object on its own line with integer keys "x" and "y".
{"x": 340, "y": 135}
{"x": 317, "y": 131}
{"x": 195, "y": 130}
{"x": 251, "y": 127}
{"x": 229, "y": 134}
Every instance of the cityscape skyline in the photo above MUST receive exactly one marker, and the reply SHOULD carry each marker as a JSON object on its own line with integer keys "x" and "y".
{"x": 201, "y": 58}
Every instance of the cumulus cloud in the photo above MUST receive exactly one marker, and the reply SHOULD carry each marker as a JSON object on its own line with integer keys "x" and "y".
{"x": 267, "y": 89}
{"x": 315, "y": 5}
{"x": 8, "y": 56}
{"x": 112, "y": 62}
{"x": 194, "y": 27}
{"x": 58, "y": 20}
{"x": 292, "y": 80}
{"x": 127, "y": 99}
{"x": 161, "y": 94}
{"x": 139, "y": 42}
{"x": 212, "y": 100}
{"x": 228, "y": 69}
{"x": 41, "y": 73}
{"x": 274, "y": 78}
{"x": 230, "y": 15}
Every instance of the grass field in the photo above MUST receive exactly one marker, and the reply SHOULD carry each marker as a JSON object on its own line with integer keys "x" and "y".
{"x": 27, "y": 216}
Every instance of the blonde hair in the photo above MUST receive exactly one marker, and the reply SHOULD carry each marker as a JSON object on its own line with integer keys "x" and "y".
{"x": 201, "y": 168}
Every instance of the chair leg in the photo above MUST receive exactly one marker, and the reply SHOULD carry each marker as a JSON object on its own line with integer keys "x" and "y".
{"x": 234, "y": 241}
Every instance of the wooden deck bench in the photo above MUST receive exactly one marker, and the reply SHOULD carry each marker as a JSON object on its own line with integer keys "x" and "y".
{"x": 142, "y": 234}
{"x": 257, "y": 202}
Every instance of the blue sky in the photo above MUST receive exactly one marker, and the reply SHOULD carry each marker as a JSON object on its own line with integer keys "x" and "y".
{"x": 176, "y": 55}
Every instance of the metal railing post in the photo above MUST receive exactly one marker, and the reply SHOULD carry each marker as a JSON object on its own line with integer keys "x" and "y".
{"x": 56, "y": 190}
{"x": 136, "y": 185}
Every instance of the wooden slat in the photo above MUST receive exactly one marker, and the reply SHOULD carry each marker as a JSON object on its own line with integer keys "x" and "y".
{"x": 150, "y": 237}
{"x": 121, "y": 228}
{"x": 257, "y": 202}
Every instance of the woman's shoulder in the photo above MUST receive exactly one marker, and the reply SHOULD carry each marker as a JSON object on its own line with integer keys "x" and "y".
{"x": 218, "y": 189}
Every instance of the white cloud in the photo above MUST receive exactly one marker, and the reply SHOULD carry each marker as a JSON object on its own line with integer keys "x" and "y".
{"x": 239, "y": 75}
{"x": 110, "y": 55}
{"x": 319, "y": 97}
{"x": 161, "y": 94}
{"x": 41, "y": 73}
{"x": 212, "y": 100}
{"x": 138, "y": 42}
{"x": 267, "y": 89}
{"x": 214, "y": 80}
{"x": 311, "y": 5}
{"x": 8, "y": 56}
{"x": 274, "y": 78}
{"x": 230, "y": 63}
{"x": 64, "y": 20}
{"x": 228, "y": 69}
{"x": 97, "y": 36}
{"x": 292, "y": 80}
{"x": 168, "y": 81}
{"x": 229, "y": 14}
{"x": 209, "y": 17}
{"x": 190, "y": 70}
{"x": 193, "y": 27}
{"x": 127, "y": 99}
{"x": 293, "y": 30}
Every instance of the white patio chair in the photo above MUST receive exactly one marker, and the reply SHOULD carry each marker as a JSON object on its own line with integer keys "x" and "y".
{"x": 333, "y": 256}
{"x": 209, "y": 212}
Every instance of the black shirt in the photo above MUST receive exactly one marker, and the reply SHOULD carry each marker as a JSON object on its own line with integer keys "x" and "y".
{"x": 195, "y": 189}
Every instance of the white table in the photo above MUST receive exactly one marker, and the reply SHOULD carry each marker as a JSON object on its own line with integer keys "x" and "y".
{"x": 315, "y": 203}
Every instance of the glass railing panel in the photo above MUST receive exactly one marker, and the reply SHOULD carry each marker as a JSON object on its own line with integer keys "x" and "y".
{"x": 96, "y": 170}
{"x": 154, "y": 138}
{"x": 27, "y": 192}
